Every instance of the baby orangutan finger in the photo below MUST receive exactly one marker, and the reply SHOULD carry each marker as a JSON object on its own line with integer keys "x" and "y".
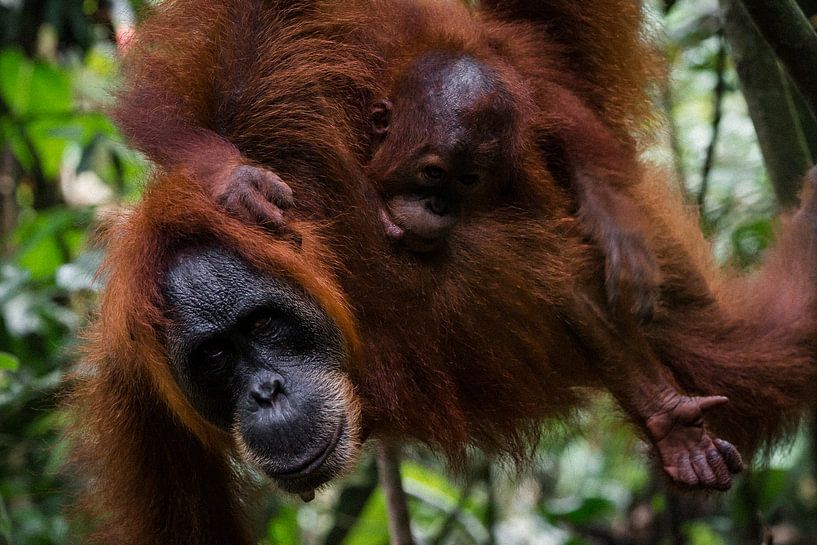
{"x": 270, "y": 217}
{"x": 258, "y": 196}
{"x": 271, "y": 186}
{"x": 262, "y": 211}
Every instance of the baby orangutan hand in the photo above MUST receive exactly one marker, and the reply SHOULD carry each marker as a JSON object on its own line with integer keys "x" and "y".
{"x": 258, "y": 196}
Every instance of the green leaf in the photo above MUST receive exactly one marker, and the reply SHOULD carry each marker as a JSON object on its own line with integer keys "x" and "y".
{"x": 581, "y": 512}
{"x": 283, "y": 526}
{"x": 8, "y": 362}
{"x": 591, "y": 509}
{"x": 43, "y": 259}
{"x": 16, "y": 81}
{"x": 49, "y": 138}
{"x": 371, "y": 528}
{"x": 11, "y": 133}
{"x": 418, "y": 477}
{"x": 750, "y": 239}
{"x": 770, "y": 484}
{"x": 45, "y": 239}
{"x": 700, "y": 533}
{"x": 50, "y": 91}
{"x": 33, "y": 88}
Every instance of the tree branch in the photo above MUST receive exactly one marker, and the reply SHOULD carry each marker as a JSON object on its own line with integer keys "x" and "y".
{"x": 771, "y": 107}
{"x": 451, "y": 517}
{"x": 788, "y": 31}
{"x": 388, "y": 460}
{"x": 717, "y": 115}
{"x": 809, "y": 7}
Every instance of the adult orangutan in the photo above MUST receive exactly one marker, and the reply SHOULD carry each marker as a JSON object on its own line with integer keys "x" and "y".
{"x": 562, "y": 90}
{"x": 198, "y": 347}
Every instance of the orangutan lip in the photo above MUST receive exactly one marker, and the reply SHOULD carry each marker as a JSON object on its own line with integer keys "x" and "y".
{"x": 393, "y": 231}
{"x": 414, "y": 242}
{"x": 311, "y": 465}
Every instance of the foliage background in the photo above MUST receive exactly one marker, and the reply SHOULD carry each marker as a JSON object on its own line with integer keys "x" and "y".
{"x": 62, "y": 165}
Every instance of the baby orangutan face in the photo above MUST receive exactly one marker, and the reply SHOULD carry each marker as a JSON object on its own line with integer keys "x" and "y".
{"x": 440, "y": 148}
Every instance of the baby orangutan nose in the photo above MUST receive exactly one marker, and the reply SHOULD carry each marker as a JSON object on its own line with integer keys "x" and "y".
{"x": 438, "y": 205}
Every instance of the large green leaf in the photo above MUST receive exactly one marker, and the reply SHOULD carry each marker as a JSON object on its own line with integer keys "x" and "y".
{"x": 50, "y": 91}
{"x": 47, "y": 240}
{"x": 12, "y": 134}
{"x": 372, "y": 527}
{"x": 31, "y": 88}
{"x": 8, "y": 362}
{"x": 16, "y": 80}
{"x": 283, "y": 527}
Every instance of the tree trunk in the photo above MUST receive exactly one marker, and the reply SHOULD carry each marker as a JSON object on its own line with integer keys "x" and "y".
{"x": 793, "y": 39}
{"x": 771, "y": 107}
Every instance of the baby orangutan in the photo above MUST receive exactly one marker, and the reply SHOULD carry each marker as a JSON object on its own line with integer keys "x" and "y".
{"x": 447, "y": 146}
{"x": 447, "y": 143}
{"x": 444, "y": 148}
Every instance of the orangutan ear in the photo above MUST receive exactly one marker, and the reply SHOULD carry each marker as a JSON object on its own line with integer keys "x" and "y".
{"x": 380, "y": 117}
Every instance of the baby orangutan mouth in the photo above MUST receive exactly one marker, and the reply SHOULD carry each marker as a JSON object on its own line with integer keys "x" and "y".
{"x": 420, "y": 222}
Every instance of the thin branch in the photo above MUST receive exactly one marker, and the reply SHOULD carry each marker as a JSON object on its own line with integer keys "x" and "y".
{"x": 491, "y": 503}
{"x": 453, "y": 515}
{"x": 8, "y": 199}
{"x": 389, "y": 468}
{"x": 717, "y": 107}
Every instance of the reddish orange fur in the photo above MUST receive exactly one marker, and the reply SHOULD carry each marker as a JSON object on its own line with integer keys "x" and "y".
{"x": 472, "y": 349}
{"x": 133, "y": 418}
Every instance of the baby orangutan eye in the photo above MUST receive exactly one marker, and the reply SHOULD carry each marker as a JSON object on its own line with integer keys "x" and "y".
{"x": 433, "y": 172}
{"x": 469, "y": 179}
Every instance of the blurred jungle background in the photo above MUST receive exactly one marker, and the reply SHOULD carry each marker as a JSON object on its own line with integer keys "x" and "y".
{"x": 738, "y": 134}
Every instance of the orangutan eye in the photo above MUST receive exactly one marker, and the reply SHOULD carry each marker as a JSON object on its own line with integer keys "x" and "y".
{"x": 469, "y": 179}
{"x": 261, "y": 323}
{"x": 214, "y": 350}
{"x": 265, "y": 322}
{"x": 433, "y": 172}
